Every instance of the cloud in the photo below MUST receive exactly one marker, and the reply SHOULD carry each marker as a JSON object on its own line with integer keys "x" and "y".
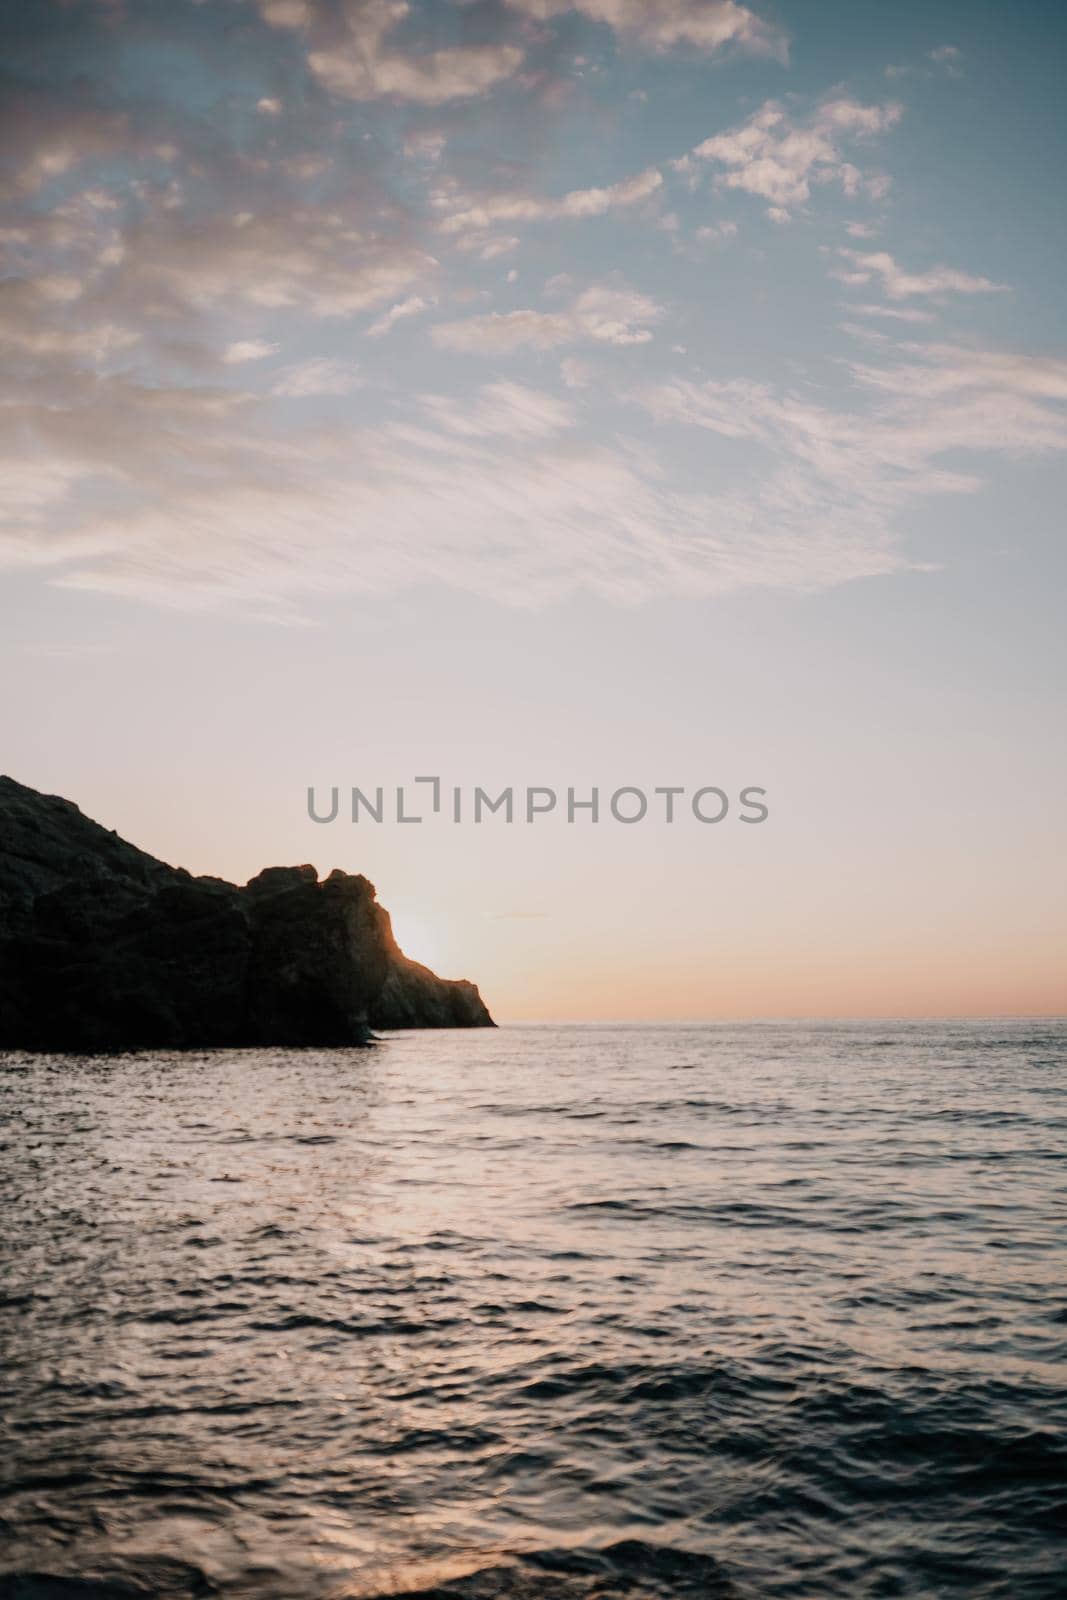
{"x": 779, "y": 157}
{"x": 157, "y": 257}
{"x": 895, "y": 313}
{"x": 242, "y": 350}
{"x": 604, "y": 312}
{"x": 900, "y": 285}
{"x": 355, "y": 56}
{"x": 996, "y": 377}
{"x": 950, "y": 58}
{"x": 197, "y": 499}
{"x": 502, "y": 245}
{"x": 501, "y": 409}
{"x": 413, "y": 306}
{"x": 661, "y": 25}
{"x": 71, "y": 439}
{"x": 860, "y": 464}
{"x": 425, "y": 144}
{"x": 716, "y": 232}
{"x": 287, "y": 13}
{"x": 375, "y": 49}
{"x": 863, "y": 330}
{"x": 46, "y": 135}
{"x": 321, "y": 375}
{"x": 44, "y": 319}
{"x": 524, "y": 514}
{"x": 312, "y": 259}
{"x": 575, "y": 374}
{"x": 577, "y": 204}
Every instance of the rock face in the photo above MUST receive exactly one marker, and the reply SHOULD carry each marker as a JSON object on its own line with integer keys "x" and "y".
{"x": 105, "y": 948}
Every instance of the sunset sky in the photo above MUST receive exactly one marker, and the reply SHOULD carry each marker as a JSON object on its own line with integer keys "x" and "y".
{"x": 627, "y": 392}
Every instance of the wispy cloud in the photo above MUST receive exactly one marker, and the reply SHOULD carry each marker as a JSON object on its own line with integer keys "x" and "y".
{"x": 353, "y": 53}
{"x": 717, "y": 232}
{"x": 577, "y": 204}
{"x": 505, "y": 492}
{"x": 242, "y": 350}
{"x": 603, "y": 312}
{"x": 311, "y": 259}
{"x": 507, "y": 410}
{"x": 901, "y": 285}
{"x": 707, "y": 25}
{"x": 321, "y": 375}
{"x": 861, "y": 462}
{"x": 894, "y": 313}
{"x": 520, "y": 519}
{"x": 948, "y": 56}
{"x": 413, "y": 306}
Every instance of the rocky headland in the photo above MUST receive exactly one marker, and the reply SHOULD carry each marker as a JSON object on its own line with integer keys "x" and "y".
{"x": 103, "y": 947}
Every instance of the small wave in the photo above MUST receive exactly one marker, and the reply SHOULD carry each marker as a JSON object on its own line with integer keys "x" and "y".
{"x": 629, "y": 1570}
{"x": 152, "y": 1578}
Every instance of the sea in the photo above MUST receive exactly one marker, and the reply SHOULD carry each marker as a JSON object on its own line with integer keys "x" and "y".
{"x": 718, "y": 1310}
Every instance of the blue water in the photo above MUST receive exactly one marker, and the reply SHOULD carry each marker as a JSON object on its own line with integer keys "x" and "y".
{"x": 769, "y": 1310}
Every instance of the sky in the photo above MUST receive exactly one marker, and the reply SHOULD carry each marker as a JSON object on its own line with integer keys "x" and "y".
{"x": 634, "y": 393}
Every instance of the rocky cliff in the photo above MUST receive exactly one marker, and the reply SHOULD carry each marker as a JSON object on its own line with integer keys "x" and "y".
{"x": 102, "y": 947}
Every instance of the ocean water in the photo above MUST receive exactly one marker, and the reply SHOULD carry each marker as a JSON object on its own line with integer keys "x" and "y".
{"x": 764, "y": 1310}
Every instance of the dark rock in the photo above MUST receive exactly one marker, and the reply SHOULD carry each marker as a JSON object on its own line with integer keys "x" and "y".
{"x": 102, "y": 947}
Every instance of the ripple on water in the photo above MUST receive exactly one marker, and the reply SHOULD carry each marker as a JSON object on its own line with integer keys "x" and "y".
{"x": 510, "y": 1317}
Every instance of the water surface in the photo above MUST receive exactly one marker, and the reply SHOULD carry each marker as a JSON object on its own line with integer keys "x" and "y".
{"x": 762, "y": 1310}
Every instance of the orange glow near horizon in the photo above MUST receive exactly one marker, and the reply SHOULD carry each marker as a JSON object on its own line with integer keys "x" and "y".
{"x": 531, "y": 972}
{"x": 876, "y": 916}
{"x": 420, "y": 938}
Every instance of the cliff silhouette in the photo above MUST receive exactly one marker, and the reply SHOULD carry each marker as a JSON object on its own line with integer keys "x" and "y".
{"x": 102, "y": 947}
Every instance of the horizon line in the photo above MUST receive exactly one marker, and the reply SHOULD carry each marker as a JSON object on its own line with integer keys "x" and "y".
{"x": 695, "y": 1022}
